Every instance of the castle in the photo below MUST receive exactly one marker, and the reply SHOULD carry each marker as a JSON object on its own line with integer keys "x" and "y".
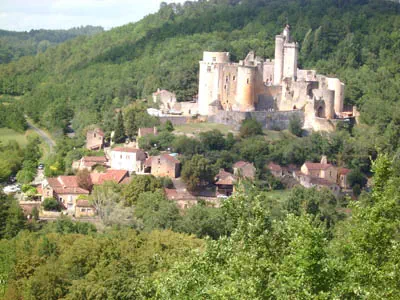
{"x": 257, "y": 85}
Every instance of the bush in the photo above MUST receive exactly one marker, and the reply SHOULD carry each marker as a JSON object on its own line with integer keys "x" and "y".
{"x": 51, "y": 204}
{"x": 295, "y": 126}
{"x": 250, "y": 127}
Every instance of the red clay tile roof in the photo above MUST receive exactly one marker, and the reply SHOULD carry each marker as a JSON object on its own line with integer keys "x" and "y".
{"x": 66, "y": 185}
{"x": 274, "y": 167}
{"x": 96, "y": 159}
{"x": 173, "y": 194}
{"x": 83, "y": 203}
{"x": 344, "y": 171}
{"x": 126, "y": 149}
{"x": 225, "y": 178}
{"x": 161, "y": 157}
{"x": 110, "y": 175}
{"x": 317, "y": 166}
{"x": 98, "y": 131}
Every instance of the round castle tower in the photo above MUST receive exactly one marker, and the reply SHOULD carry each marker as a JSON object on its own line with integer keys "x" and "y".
{"x": 210, "y": 69}
{"x": 246, "y": 81}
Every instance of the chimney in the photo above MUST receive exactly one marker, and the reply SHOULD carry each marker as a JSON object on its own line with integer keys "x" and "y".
{"x": 324, "y": 160}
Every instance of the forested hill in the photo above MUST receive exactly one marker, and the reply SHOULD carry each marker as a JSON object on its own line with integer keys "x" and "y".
{"x": 84, "y": 78}
{"x": 14, "y": 44}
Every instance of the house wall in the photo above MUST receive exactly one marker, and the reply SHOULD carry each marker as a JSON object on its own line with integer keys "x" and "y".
{"x": 69, "y": 201}
{"x": 162, "y": 167}
{"x": 94, "y": 139}
{"x": 329, "y": 174}
{"x": 84, "y": 212}
{"x": 125, "y": 161}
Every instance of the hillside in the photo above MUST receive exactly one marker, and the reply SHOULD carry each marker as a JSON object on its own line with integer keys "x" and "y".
{"x": 84, "y": 78}
{"x": 14, "y": 44}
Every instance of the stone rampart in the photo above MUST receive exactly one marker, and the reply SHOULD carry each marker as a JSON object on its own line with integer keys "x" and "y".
{"x": 277, "y": 120}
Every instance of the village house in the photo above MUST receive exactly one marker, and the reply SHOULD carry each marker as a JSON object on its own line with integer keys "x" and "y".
{"x": 164, "y": 98}
{"x": 163, "y": 165}
{"x": 225, "y": 183}
{"x": 317, "y": 182}
{"x": 146, "y": 131}
{"x": 129, "y": 159}
{"x": 321, "y": 170}
{"x": 117, "y": 176}
{"x": 64, "y": 189}
{"x": 244, "y": 169}
{"x": 83, "y": 208}
{"x": 95, "y": 139}
{"x": 275, "y": 169}
{"x": 182, "y": 198}
{"x": 342, "y": 178}
{"x": 90, "y": 163}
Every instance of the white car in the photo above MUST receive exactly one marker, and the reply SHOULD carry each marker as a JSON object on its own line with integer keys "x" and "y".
{"x": 11, "y": 189}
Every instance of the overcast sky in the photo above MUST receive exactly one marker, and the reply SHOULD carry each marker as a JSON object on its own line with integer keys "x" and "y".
{"x": 23, "y": 15}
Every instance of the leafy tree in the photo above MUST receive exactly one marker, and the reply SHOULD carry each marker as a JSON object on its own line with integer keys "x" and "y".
{"x": 355, "y": 177}
{"x": 138, "y": 185}
{"x": 51, "y": 204}
{"x": 295, "y": 126}
{"x": 250, "y": 127}
{"x": 119, "y": 129}
{"x": 212, "y": 140}
{"x": 198, "y": 171}
{"x": 168, "y": 126}
{"x": 15, "y": 221}
{"x": 84, "y": 180}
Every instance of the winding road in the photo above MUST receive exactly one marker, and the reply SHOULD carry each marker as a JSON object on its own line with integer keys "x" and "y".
{"x": 47, "y": 139}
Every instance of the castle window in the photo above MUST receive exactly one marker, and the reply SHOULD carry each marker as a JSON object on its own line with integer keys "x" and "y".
{"x": 234, "y": 78}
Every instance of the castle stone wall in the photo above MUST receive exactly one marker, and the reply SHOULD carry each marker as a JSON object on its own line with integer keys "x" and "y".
{"x": 270, "y": 120}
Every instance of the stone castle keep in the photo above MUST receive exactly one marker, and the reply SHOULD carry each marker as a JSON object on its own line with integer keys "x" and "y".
{"x": 257, "y": 85}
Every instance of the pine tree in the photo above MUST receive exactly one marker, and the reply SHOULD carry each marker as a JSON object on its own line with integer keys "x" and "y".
{"x": 119, "y": 131}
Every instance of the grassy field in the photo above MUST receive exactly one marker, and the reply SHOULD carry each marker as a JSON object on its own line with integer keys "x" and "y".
{"x": 196, "y": 128}
{"x": 7, "y": 134}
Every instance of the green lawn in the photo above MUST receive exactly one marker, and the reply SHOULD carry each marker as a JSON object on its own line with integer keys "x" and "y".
{"x": 7, "y": 135}
{"x": 196, "y": 128}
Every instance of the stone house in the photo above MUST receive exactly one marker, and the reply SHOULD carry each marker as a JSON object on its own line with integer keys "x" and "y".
{"x": 65, "y": 189}
{"x": 117, "y": 176}
{"x": 318, "y": 183}
{"x": 84, "y": 209}
{"x": 225, "y": 183}
{"x": 146, "y": 131}
{"x": 244, "y": 169}
{"x": 321, "y": 170}
{"x": 165, "y": 99}
{"x": 275, "y": 169}
{"x": 342, "y": 178}
{"x": 182, "y": 198}
{"x": 129, "y": 159}
{"x": 90, "y": 162}
{"x": 95, "y": 139}
{"x": 163, "y": 165}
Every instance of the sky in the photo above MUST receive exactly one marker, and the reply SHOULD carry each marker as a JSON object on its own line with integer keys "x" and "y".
{"x": 24, "y": 15}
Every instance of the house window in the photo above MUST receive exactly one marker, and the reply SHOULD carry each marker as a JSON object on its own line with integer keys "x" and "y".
{"x": 94, "y": 134}
{"x": 214, "y": 59}
{"x": 234, "y": 78}
{"x": 83, "y": 209}
{"x": 120, "y": 156}
{"x": 209, "y": 69}
{"x": 247, "y": 81}
{"x": 159, "y": 161}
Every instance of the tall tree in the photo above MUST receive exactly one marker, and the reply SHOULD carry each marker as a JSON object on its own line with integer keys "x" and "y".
{"x": 119, "y": 129}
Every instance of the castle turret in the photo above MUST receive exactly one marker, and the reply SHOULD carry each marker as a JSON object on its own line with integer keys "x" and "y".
{"x": 278, "y": 67}
{"x": 245, "y": 92}
{"x": 337, "y": 86}
{"x": 209, "y": 77}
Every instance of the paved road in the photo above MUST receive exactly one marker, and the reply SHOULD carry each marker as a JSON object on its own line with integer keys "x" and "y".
{"x": 47, "y": 139}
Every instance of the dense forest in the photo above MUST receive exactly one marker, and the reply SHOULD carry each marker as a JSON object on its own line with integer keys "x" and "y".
{"x": 258, "y": 245}
{"x": 14, "y": 45}
{"x": 355, "y": 40}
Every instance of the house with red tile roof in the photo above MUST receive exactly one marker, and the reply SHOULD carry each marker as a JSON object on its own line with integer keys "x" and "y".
{"x": 95, "y": 139}
{"x": 342, "y": 178}
{"x": 65, "y": 189}
{"x": 321, "y": 170}
{"x": 117, "y": 176}
{"x": 129, "y": 159}
{"x": 163, "y": 165}
{"x": 182, "y": 198}
{"x": 90, "y": 162}
{"x": 244, "y": 169}
{"x": 225, "y": 183}
{"x": 275, "y": 169}
{"x": 83, "y": 208}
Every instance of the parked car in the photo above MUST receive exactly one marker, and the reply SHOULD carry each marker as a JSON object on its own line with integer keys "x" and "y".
{"x": 41, "y": 166}
{"x": 12, "y": 189}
